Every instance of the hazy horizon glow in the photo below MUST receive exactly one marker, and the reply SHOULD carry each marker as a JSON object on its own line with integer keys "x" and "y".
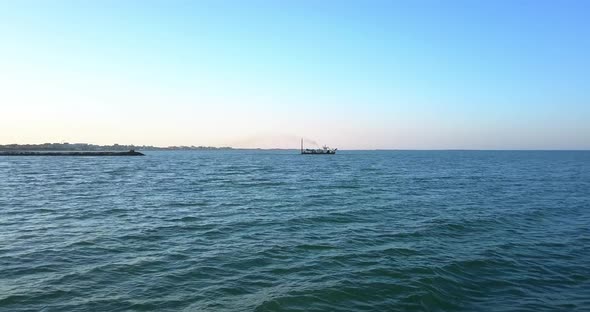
{"x": 353, "y": 75}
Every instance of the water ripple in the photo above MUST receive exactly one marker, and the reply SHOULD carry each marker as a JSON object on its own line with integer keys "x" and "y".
{"x": 273, "y": 231}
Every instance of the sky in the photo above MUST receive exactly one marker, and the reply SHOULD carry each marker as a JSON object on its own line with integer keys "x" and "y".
{"x": 351, "y": 74}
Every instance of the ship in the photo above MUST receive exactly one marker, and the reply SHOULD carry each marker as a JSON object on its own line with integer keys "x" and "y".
{"x": 319, "y": 151}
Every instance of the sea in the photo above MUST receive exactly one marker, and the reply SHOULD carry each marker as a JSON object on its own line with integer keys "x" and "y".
{"x": 272, "y": 230}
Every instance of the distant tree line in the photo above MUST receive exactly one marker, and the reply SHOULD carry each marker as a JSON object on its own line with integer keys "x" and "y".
{"x": 94, "y": 147}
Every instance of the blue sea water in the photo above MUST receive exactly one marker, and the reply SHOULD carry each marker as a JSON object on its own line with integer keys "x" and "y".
{"x": 279, "y": 231}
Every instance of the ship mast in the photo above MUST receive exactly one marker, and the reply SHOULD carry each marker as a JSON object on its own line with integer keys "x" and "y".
{"x": 301, "y": 145}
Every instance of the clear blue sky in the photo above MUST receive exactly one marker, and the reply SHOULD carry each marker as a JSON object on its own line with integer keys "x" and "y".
{"x": 353, "y": 74}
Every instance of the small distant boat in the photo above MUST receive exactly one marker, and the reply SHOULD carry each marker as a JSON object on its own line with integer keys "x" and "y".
{"x": 319, "y": 151}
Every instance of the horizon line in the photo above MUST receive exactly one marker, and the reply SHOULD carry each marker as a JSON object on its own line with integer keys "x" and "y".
{"x": 286, "y": 149}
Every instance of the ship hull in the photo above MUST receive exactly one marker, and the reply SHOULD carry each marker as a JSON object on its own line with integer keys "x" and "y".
{"x": 318, "y": 153}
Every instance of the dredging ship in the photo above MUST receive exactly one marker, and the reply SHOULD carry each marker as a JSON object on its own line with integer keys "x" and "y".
{"x": 319, "y": 151}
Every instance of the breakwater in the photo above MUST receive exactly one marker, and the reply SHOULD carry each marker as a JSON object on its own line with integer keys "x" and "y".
{"x": 28, "y": 153}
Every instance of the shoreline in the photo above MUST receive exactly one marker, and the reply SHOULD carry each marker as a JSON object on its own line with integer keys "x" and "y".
{"x": 27, "y": 153}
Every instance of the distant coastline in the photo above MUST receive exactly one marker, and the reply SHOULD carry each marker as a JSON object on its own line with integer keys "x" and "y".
{"x": 86, "y": 147}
